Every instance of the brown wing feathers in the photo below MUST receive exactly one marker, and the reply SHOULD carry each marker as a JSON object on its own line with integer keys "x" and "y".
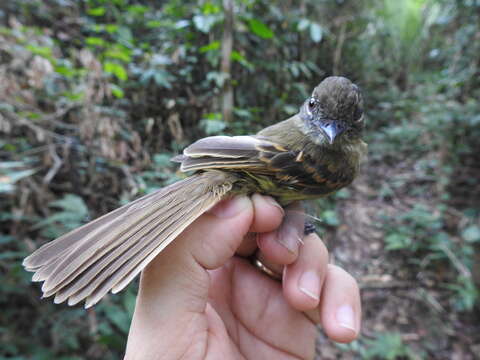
{"x": 125, "y": 267}
{"x": 109, "y": 252}
{"x": 237, "y": 152}
{"x": 54, "y": 249}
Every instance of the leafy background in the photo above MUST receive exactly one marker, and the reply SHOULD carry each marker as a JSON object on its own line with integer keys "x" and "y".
{"x": 96, "y": 96}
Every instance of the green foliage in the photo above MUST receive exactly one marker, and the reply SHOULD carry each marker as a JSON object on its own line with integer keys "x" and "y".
{"x": 11, "y": 172}
{"x": 415, "y": 229}
{"x": 422, "y": 233}
{"x": 315, "y": 29}
{"x": 213, "y": 124}
{"x": 388, "y": 346}
{"x": 385, "y": 346}
{"x": 466, "y": 293}
{"x": 260, "y": 29}
{"x": 71, "y": 212}
{"x": 471, "y": 234}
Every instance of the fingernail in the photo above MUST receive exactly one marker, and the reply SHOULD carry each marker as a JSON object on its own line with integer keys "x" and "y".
{"x": 309, "y": 284}
{"x": 289, "y": 237}
{"x": 231, "y": 207}
{"x": 273, "y": 202}
{"x": 346, "y": 317}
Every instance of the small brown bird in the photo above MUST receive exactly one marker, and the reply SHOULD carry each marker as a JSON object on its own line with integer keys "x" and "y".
{"x": 309, "y": 155}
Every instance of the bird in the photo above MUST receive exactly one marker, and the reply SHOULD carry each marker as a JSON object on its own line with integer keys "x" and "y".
{"x": 309, "y": 155}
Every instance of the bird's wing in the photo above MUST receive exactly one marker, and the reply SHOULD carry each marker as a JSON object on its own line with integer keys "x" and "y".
{"x": 260, "y": 155}
{"x": 107, "y": 253}
{"x": 236, "y": 152}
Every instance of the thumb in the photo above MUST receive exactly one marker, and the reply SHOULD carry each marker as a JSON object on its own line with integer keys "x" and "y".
{"x": 176, "y": 281}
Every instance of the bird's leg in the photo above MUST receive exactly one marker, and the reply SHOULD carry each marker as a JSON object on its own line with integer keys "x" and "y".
{"x": 309, "y": 228}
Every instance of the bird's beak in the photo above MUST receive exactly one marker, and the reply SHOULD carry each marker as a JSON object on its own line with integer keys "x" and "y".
{"x": 331, "y": 129}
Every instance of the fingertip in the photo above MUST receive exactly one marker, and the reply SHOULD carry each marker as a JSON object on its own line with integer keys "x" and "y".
{"x": 345, "y": 329}
{"x": 302, "y": 291}
{"x": 304, "y": 278}
{"x": 268, "y": 213}
{"x": 340, "y": 308}
{"x": 340, "y": 333}
{"x": 231, "y": 207}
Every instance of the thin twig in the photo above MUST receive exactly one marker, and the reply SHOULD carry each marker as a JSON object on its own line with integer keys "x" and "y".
{"x": 57, "y": 164}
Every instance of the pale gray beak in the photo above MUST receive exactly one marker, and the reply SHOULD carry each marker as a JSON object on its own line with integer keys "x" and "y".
{"x": 331, "y": 129}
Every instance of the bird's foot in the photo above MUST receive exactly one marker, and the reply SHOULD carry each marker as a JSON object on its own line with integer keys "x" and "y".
{"x": 309, "y": 228}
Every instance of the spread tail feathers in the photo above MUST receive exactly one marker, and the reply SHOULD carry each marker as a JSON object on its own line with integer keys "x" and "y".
{"x": 107, "y": 253}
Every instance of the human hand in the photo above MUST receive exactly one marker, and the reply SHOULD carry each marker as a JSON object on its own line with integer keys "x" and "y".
{"x": 197, "y": 300}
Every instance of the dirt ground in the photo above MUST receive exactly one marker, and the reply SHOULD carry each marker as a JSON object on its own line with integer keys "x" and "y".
{"x": 396, "y": 296}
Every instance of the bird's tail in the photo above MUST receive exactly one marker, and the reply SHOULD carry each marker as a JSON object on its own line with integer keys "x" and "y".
{"x": 107, "y": 253}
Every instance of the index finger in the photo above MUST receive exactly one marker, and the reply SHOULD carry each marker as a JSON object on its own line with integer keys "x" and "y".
{"x": 268, "y": 215}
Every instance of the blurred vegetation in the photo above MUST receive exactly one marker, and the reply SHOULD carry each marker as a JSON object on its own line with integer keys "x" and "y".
{"x": 96, "y": 96}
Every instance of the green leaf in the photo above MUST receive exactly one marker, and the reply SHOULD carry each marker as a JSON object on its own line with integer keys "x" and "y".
{"x": 97, "y": 28}
{"x": 181, "y": 24}
{"x": 397, "y": 241}
{"x": 218, "y": 77}
{"x": 95, "y": 41}
{"x": 471, "y": 234}
{"x": 11, "y": 164}
{"x": 117, "y": 91}
{"x": 137, "y": 9}
{"x": 71, "y": 203}
{"x": 316, "y": 32}
{"x": 29, "y": 114}
{"x": 213, "y": 124}
{"x": 14, "y": 176}
{"x": 111, "y": 28}
{"x": 204, "y": 22}
{"x": 163, "y": 160}
{"x": 6, "y": 188}
{"x": 152, "y": 24}
{"x": 161, "y": 77}
{"x": 42, "y": 51}
{"x": 210, "y": 8}
{"x": 74, "y": 96}
{"x": 129, "y": 302}
{"x": 5, "y": 239}
{"x": 260, "y": 29}
{"x": 303, "y": 24}
{"x": 388, "y": 346}
{"x": 214, "y": 45}
{"x": 125, "y": 35}
{"x": 6, "y": 107}
{"x": 238, "y": 57}
{"x": 118, "y": 54}
{"x": 330, "y": 217}
{"x": 65, "y": 71}
{"x": 71, "y": 213}
{"x": 115, "y": 69}
{"x": 343, "y": 194}
{"x": 466, "y": 293}
{"x": 98, "y": 11}
{"x": 118, "y": 316}
{"x": 290, "y": 109}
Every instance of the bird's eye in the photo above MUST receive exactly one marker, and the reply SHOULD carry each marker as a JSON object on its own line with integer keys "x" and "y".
{"x": 358, "y": 113}
{"x": 311, "y": 103}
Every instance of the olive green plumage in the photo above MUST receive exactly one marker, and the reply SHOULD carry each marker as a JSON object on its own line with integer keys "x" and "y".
{"x": 309, "y": 155}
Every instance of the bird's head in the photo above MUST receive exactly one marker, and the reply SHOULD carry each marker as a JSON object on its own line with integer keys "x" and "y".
{"x": 334, "y": 112}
